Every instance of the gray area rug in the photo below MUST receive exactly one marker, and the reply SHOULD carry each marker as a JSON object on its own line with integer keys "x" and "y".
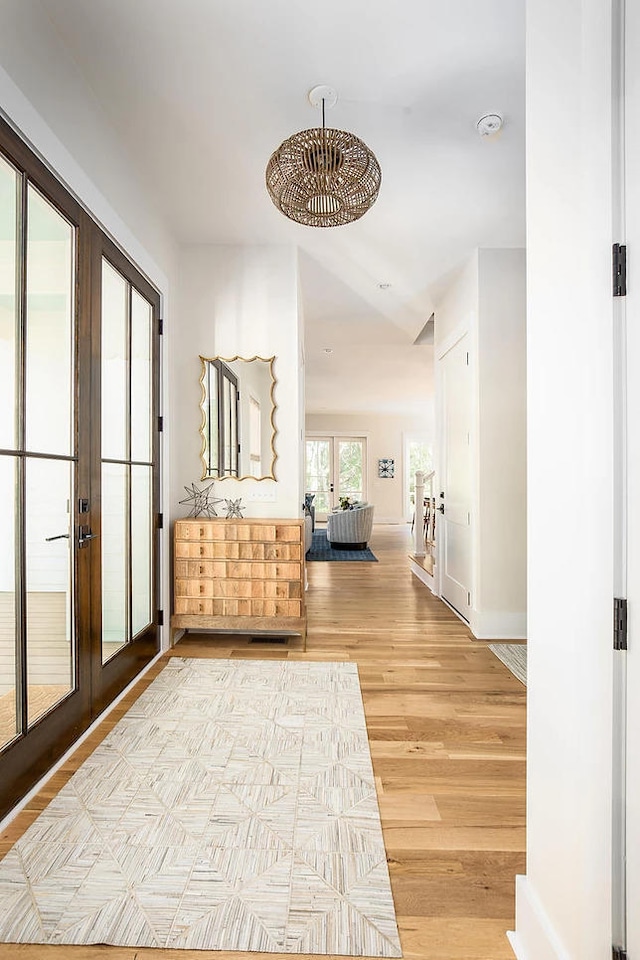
{"x": 514, "y": 657}
{"x": 232, "y": 808}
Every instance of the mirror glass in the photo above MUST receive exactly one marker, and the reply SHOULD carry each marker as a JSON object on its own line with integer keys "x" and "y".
{"x": 238, "y": 433}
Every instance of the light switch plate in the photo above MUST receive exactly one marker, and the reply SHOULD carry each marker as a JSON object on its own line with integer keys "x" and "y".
{"x": 260, "y": 494}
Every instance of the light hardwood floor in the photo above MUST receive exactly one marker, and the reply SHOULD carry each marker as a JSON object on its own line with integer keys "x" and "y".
{"x": 446, "y": 723}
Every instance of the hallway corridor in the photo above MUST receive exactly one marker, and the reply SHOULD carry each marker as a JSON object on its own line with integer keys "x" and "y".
{"x": 446, "y": 724}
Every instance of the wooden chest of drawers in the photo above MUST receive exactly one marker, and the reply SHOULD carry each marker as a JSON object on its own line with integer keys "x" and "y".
{"x": 244, "y": 575}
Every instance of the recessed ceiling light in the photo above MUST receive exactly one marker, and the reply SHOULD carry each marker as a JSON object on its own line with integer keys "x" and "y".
{"x": 383, "y": 286}
{"x": 328, "y": 350}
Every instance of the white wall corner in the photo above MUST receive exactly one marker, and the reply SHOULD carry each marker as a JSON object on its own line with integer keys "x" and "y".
{"x": 534, "y": 937}
{"x": 498, "y": 625}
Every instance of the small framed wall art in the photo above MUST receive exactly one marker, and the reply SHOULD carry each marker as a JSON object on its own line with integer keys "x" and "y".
{"x": 386, "y": 468}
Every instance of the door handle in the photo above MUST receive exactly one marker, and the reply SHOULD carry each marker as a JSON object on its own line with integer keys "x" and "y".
{"x": 85, "y": 536}
{"x": 60, "y": 536}
{"x": 441, "y": 508}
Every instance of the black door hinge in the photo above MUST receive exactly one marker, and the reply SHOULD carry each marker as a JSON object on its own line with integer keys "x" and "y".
{"x": 619, "y": 270}
{"x": 618, "y": 953}
{"x": 160, "y": 521}
{"x": 160, "y": 326}
{"x": 160, "y": 618}
{"x": 160, "y": 424}
{"x": 619, "y": 623}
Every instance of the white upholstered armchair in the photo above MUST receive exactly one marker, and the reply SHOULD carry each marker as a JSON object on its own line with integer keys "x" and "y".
{"x": 350, "y": 529}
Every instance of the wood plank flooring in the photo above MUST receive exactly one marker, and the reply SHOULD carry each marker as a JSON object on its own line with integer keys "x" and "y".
{"x": 446, "y": 723}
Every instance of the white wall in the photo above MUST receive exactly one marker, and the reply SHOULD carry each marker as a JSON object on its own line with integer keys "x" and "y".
{"x": 501, "y": 572}
{"x": 385, "y": 438}
{"x": 487, "y": 298}
{"x": 84, "y": 150}
{"x": 237, "y": 300}
{"x": 458, "y": 303}
{"x": 563, "y": 904}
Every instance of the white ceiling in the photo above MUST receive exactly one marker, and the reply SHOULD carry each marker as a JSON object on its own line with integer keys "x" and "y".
{"x": 202, "y": 91}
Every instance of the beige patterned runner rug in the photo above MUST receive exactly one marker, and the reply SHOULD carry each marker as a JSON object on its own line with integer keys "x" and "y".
{"x": 232, "y": 808}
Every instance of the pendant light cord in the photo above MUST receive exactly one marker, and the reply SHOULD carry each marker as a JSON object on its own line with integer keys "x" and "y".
{"x": 325, "y": 162}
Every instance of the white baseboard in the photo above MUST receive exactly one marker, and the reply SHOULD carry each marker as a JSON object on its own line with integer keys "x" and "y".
{"x": 422, "y": 575}
{"x": 496, "y": 625}
{"x": 534, "y": 937}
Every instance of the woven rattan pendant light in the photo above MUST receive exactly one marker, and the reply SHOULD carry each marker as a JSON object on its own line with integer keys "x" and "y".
{"x": 323, "y": 177}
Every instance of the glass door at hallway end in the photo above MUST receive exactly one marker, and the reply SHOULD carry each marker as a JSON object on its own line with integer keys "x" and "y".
{"x": 335, "y": 467}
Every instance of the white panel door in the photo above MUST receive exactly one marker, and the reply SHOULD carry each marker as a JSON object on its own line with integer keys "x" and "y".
{"x": 632, "y": 238}
{"x": 456, "y": 478}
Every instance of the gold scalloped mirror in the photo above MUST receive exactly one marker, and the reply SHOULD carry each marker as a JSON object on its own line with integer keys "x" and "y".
{"x": 238, "y": 410}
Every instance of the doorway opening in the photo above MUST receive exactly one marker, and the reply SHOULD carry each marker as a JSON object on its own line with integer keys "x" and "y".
{"x": 418, "y": 455}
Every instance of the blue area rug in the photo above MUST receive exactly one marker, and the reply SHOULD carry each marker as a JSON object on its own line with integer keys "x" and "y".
{"x": 321, "y": 550}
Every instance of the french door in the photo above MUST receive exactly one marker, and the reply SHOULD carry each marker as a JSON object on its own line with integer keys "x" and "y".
{"x": 78, "y": 469}
{"x": 335, "y": 467}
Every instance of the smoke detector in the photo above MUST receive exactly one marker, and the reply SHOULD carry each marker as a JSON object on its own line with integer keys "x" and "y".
{"x": 489, "y": 125}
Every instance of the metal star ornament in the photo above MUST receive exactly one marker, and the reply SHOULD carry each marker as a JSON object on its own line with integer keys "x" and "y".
{"x": 234, "y": 509}
{"x": 203, "y": 503}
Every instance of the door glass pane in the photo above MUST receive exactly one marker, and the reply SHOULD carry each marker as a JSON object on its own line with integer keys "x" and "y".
{"x": 350, "y": 469}
{"x": 115, "y": 351}
{"x": 114, "y": 536}
{"x": 49, "y": 579}
{"x": 211, "y": 426}
{"x": 8, "y": 281}
{"x": 8, "y": 724}
{"x": 141, "y": 529}
{"x": 226, "y": 415}
{"x": 49, "y": 328}
{"x": 318, "y": 473}
{"x": 233, "y": 421}
{"x": 255, "y": 438}
{"x": 141, "y": 392}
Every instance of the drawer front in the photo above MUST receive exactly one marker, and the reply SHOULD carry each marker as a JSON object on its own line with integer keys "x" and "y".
{"x": 278, "y": 608}
{"x": 194, "y": 549}
{"x": 282, "y": 551}
{"x": 199, "y": 569}
{"x": 214, "y": 550}
{"x": 193, "y": 607}
{"x": 263, "y": 571}
{"x": 238, "y": 607}
{"x": 283, "y": 589}
{"x": 200, "y": 530}
{"x": 290, "y": 534}
{"x": 237, "y": 589}
{"x": 193, "y": 569}
{"x": 195, "y": 588}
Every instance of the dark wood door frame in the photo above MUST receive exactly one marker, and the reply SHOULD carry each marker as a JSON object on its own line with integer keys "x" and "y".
{"x": 37, "y": 748}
